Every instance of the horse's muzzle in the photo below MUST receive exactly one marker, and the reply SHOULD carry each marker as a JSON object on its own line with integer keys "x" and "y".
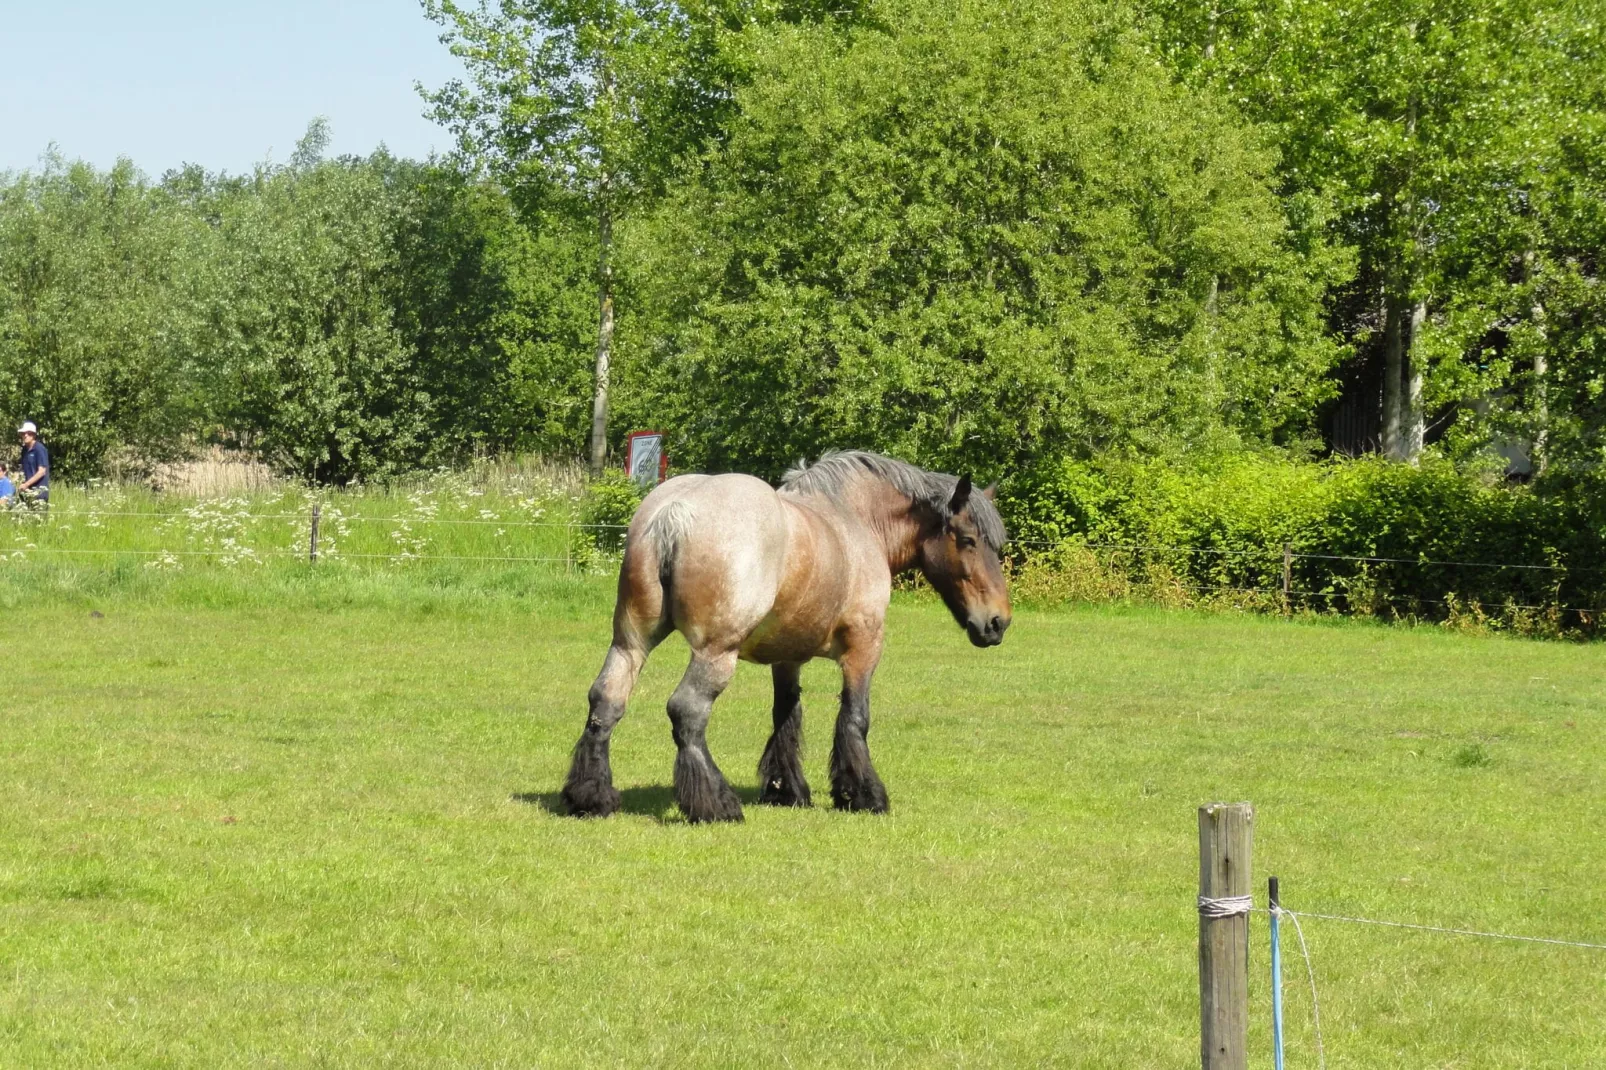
{"x": 989, "y": 632}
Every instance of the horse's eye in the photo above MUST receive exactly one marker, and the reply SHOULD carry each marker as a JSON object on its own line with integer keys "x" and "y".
{"x": 965, "y": 542}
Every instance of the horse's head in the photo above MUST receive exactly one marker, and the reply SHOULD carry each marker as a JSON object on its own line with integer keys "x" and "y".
{"x": 962, "y": 564}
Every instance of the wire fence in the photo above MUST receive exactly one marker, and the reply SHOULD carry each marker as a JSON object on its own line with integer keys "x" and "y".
{"x": 1572, "y": 597}
{"x": 1277, "y": 553}
{"x": 1278, "y": 911}
{"x": 1551, "y": 597}
{"x": 1450, "y": 931}
{"x": 348, "y": 518}
{"x": 217, "y": 533}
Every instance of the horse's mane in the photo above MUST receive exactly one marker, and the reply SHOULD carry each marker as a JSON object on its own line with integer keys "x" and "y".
{"x": 838, "y": 470}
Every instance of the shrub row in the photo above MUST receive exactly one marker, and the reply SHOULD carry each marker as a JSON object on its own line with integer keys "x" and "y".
{"x": 1364, "y": 536}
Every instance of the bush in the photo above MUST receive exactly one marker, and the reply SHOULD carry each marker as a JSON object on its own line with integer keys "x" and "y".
{"x": 1365, "y": 535}
{"x": 605, "y": 511}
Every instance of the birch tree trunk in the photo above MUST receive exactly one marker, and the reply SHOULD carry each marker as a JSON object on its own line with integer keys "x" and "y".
{"x": 1541, "y": 405}
{"x": 599, "y": 395}
{"x": 1541, "y": 394}
{"x": 1413, "y": 422}
{"x": 1393, "y": 378}
{"x": 1403, "y": 420}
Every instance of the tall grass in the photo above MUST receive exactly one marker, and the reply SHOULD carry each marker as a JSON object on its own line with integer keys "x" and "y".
{"x": 493, "y": 529}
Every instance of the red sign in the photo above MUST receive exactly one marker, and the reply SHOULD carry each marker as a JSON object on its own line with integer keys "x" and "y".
{"x": 645, "y": 459}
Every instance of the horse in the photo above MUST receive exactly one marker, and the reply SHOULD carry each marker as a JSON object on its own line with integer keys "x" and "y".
{"x": 746, "y": 572}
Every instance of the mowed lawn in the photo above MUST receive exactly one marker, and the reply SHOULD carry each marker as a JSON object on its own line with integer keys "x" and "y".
{"x": 281, "y": 836}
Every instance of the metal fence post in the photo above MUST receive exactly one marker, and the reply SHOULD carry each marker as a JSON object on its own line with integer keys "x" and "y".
{"x": 312, "y": 538}
{"x": 1226, "y": 837}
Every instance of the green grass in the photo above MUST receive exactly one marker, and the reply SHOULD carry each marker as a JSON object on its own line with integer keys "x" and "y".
{"x": 315, "y": 829}
{"x": 445, "y": 517}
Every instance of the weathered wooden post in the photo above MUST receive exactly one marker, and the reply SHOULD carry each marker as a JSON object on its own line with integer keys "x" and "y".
{"x": 1288, "y": 575}
{"x": 1226, "y": 838}
{"x": 312, "y": 538}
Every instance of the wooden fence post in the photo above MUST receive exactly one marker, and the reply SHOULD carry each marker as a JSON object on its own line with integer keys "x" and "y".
{"x": 312, "y": 539}
{"x": 1288, "y": 574}
{"x": 1226, "y": 837}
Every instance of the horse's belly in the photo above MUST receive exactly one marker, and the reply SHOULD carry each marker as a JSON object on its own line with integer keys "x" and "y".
{"x": 770, "y": 644}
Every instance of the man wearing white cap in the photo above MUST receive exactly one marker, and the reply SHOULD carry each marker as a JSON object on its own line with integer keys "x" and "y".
{"x": 35, "y": 483}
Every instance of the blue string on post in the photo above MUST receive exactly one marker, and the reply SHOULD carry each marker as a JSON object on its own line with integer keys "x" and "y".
{"x": 1276, "y": 979}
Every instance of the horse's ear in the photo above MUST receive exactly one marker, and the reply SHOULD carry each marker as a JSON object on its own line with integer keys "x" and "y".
{"x": 961, "y": 496}
{"x": 991, "y": 492}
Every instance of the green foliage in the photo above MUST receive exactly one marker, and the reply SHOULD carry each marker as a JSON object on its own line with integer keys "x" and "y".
{"x": 1224, "y": 526}
{"x": 980, "y": 236}
{"x": 1441, "y": 132}
{"x": 605, "y": 511}
{"x": 100, "y": 311}
{"x": 981, "y": 240}
{"x": 326, "y": 386}
{"x": 582, "y": 104}
{"x": 346, "y": 320}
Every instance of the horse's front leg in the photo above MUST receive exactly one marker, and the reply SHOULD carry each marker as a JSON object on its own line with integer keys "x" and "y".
{"x": 780, "y": 771}
{"x": 854, "y": 783}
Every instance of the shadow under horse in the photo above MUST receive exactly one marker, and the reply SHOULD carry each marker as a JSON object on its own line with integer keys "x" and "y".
{"x": 778, "y": 577}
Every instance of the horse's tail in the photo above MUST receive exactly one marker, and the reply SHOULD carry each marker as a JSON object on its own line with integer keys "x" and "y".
{"x": 666, "y": 531}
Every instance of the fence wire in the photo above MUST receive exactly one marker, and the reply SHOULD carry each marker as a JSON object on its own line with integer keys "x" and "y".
{"x": 1310, "y": 968}
{"x": 1273, "y": 553}
{"x": 1268, "y": 557}
{"x": 332, "y": 518}
{"x": 1441, "y": 929}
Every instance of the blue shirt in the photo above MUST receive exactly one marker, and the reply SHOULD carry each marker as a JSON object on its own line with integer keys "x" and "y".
{"x": 34, "y": 458}
{"x": 7, "y": 488}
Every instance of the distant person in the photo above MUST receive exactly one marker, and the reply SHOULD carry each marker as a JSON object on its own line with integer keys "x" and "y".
{"x": 8, "y": 489}
{"x": 35, "y": 485}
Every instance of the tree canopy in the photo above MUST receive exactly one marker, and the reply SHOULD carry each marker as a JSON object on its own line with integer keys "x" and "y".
{"x": 973, "y": 234}
{"x": 980, "y": 237}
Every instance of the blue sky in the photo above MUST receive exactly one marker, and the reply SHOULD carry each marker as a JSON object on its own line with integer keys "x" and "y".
{"x": 222, "y": 84}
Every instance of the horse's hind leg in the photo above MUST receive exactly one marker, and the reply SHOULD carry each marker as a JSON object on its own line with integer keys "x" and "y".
{"x": 780, "y": 771}
{"x": 639, "y": 624}
{"x": 700, "y": 788}
{"x": 589, "y": 791}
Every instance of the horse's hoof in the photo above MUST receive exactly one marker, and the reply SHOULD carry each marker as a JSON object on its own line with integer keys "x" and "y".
{"x": 867, "y": 798}
{"x": 725, "y": 817}
{"x": 721, "y": 804}
{"x": 732, "y": 813}
{"x": 776, "y": 793}
{"x": 591, "y": 800}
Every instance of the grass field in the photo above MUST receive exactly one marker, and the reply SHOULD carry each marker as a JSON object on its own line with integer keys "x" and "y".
{"x": 309, "y": 828}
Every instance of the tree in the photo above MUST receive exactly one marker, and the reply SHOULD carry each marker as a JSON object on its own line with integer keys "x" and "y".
{"x": 1417, "y": 121}
{"x": 99, "y": 317}
{"x": 583, "y": 105}
{"x": 313, "y": 370}
{"x": 979, "y": 237}
{"x": 493, "y": 310}
{"x": 1552, "y": 330}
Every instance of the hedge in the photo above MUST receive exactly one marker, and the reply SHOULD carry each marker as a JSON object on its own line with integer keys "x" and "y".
{"x": 1365, "y": 536}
